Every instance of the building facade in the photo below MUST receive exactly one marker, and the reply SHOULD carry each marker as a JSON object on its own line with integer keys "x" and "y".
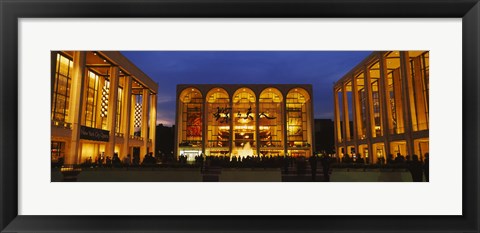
{"x": 385, "y": 101}
{"x": 243, "y": 120}
{"x": 102, "y": 104}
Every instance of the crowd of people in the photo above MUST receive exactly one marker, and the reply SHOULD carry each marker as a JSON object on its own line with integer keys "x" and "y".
{"x": 417, "y": 167}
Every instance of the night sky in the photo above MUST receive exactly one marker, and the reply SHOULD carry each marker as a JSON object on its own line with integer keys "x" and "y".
{"x": 169, "y": 68}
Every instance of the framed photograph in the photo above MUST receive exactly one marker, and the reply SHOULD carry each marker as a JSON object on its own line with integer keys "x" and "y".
{"x": 239, "y": 91}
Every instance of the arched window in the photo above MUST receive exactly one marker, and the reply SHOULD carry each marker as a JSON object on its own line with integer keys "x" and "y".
{"x": 244, "y": 122}
{"x": 299, "y": 122}
{"x": 270, "y": 121}
{"x": 190, "y": 122}
{"x": 219, "y": 115}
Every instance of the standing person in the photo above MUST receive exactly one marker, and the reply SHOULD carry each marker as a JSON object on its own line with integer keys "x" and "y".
{"x": 416, "y": 169}
{"x": 313, "y": 166}
{"x": 326, "y": 168}
{"x": 426, "y": 167}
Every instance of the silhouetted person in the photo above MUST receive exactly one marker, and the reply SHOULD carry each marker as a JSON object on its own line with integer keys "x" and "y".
{"x": 116, "y": 160}
{"x": 399, "y": 159}
{"x": 416, "y": 169}
{"x": 360, "y": 160}
{"x": 389, "y": 159}
{"x": 108, "y": 161}
{"x": 313, "y": 166}
{"x": 326, "y": 167}
{"x": 426, "y": 168}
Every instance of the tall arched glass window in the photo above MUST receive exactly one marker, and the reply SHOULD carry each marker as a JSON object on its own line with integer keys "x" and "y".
{"x": 299, "y": 123}
{"x": 218, "y": 122}
{"x": 270, "y": 121}
{"x": 244, "y": 123}
{"x": 190, "y": 122}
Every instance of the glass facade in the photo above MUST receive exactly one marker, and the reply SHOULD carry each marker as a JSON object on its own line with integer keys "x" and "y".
{"x": 244, "y": 122}
{"x": 100, "y": 106}
{"x": 91, "y": 99}
{"x": 361, "y": 109}
{"x": 394, "y": 88}
{"x": 219, "y": 117}
{"x": 298, "y": 122}
{"x": 390, "y": 106}
{"x": 419, "y": 83}
{"x": 190, "y": 125}
{"x": 271, "y": 122}
{"x": 61, "y": 88}
{"x": 241, "y": 121}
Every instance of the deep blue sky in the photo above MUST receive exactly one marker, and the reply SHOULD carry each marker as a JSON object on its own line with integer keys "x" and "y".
{"x": 169, "y": 68}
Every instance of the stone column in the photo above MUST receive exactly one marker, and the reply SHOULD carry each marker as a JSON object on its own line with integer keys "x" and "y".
{"x": 76, "y": 105}
{"x": 126, "y": 115}
{"x": 369, "y": 113}
{"x": 153, "y": 121}
{"x": 145, "y": 105}
{"x": 355, "y": 114}
{"x": 346, "y": 120}
{"x": 337, "y": 131}
{"x": 112, "y": 110}
{"x": 385, "y": 103}
{"x": 408, "y": 96}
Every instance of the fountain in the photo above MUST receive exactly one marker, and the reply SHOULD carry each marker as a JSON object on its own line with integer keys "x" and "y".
{"x": 245, "y": 151}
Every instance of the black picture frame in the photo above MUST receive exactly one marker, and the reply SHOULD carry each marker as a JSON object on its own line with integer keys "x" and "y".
{"x": 11, "y": 11}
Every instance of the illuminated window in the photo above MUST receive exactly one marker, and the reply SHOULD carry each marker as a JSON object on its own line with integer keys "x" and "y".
{"x": 57, "y": 151}
{"x": 271, "y": 122}
{"x": 394, "y": 93}
{"x": 219, "y": 117}
{"x": 348, "y": 114}
{"x": 119, "y": 105}
{"x": 61, "y": 88}
{"x": 299, "y": 122}
{"x": 419, "y": 88}
{"x": 191, "y": 117}
{"x": 92, "y": 99}
{"x": 377, "y": 129}
{"x": 362, "y": 106}
{"x": 244, "y": 122}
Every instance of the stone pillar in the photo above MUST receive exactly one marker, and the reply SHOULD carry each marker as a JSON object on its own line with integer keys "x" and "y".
{"x": 408, "y": 96}
{"x": 112, "y": 110}
{"x": 385, "y": 103}
{"x": 76, "y": 105}
{"x": 144, "y": 132}
{"x": 153, "y": 121}
{"x": 346, "y": 118}
{"x": 126, "y": 115}
{"x": 355, "y": 114}
{"x": 337, "y": 131}
{"x": 369, "y": 112}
